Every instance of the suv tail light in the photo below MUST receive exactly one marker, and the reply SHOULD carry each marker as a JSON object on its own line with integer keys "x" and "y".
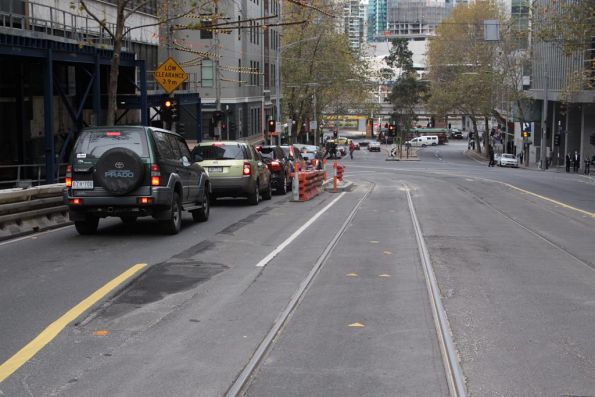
{"x": 275, "y": 165}
{"x": 68, "y": 179}
{"x": 155, "y": 175}
{"x": 247, "y": 169}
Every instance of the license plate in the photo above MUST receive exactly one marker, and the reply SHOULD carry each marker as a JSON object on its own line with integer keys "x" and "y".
{"x": 215, "y": 169}
{"x": 82, "y": 184}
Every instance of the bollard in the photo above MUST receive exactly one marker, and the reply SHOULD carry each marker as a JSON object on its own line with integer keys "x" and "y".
{"x": 295, "y": 184}
{"x": 324, "y": 167}
{"x": 335, "y": 177}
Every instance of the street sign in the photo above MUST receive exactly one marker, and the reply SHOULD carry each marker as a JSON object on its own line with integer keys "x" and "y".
{"x": 170, "y": 75}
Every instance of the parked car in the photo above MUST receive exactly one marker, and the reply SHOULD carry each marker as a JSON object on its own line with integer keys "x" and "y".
{"x": 235, "y": 169}
{"x": 133, "y": 171}
{"x": 279, "y": 165}
{"x": 374, "y": 147}
{"x": 507, "y": 160}
{"x": 363, "y": 143}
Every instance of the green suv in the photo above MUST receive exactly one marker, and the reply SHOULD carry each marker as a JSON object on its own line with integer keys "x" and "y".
{"x": 235, "y": 169}
{"x": 133, "y": 171}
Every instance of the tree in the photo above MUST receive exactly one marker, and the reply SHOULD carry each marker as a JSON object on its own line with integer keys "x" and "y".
{"x": 569, "y": 26}
{"x": 317, "y": 61}
{"x": 464, "y": 77}
{"x": 118, "y": 32}
{"x": 408, "y": 91}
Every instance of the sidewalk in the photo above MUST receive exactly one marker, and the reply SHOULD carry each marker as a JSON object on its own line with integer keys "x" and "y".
{"x": 531, "y": 167}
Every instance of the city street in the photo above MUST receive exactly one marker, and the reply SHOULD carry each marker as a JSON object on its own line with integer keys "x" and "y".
{"x": 329, "y": 297}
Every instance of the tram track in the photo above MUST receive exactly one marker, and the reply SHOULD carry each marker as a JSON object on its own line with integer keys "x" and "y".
{"x": 528, "y": 229}
{"x": 452, "y": 370}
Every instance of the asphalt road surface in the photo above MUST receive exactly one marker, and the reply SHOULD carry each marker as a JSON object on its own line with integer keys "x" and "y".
{"x": 330, "y": 297}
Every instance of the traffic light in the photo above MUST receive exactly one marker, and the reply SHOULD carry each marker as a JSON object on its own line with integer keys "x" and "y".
{"x": 526, "y": 134}
{"x": 272, "y": 125}
{"x": 174, "y": 112}
{"x": 557, "y": 140}
{"x": 391, "y": 129}
{"x": 217, "y": 115}
{"x": 335, "y": 134}
{"x": 167, "y": 110}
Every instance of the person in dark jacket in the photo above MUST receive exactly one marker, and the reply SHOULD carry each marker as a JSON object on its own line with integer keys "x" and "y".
{"x": 492, "y": 162}
{"x": 567, "y": 162}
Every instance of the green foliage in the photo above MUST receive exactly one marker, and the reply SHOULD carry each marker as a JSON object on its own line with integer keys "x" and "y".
{"x": 408, "y": 91}
{"x": 317, "y": 60}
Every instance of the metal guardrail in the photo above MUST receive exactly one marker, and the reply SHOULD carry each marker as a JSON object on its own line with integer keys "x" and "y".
{"x": 24, "y": 211}
{"x": 26, "y": 175}
{"x": 55, "y": 22}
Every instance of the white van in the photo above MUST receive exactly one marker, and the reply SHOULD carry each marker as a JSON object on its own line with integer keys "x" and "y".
{"x": 423, "y": 141}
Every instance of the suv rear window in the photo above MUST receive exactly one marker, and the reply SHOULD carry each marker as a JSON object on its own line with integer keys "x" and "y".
{"x": 268, "y": 152}
{"x": 220, "y": 151}
{"x": 95, "y": 143}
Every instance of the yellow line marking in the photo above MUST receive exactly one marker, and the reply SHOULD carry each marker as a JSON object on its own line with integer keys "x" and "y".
{"x": 356, "y": 325}
{"x": 351, "y": 274}
{"x": 52, "y": 330}
{"x": 591, "y": 214}
{"x": 101, "y": 332}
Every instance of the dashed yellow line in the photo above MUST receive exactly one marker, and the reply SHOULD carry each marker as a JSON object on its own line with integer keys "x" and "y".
{"x": 591, "y": 214}
{"x": 48, "y": 334}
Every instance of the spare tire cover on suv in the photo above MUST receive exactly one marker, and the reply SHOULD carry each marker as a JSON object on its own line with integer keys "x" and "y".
{"x": 120, "y": 171}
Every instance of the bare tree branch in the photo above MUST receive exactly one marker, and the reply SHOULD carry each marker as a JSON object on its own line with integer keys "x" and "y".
{"x": 101, "y": 22}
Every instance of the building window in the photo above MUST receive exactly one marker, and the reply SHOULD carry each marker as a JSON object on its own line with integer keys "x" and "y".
{"x": 206, "y": 73}
{"x": 206, "y": 33}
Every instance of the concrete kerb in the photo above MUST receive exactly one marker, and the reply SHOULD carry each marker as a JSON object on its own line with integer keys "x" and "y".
{"x": 342, "y": 186}
{"x": 560, "y": 170}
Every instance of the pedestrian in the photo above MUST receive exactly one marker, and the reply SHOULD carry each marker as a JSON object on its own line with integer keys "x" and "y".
{"x": 567, "y": 162}
{"x": 577, "y": 161}
{"x": 351, "y": 148}
{"x": 521, "y": 157}
{"x": 491, "y": 156}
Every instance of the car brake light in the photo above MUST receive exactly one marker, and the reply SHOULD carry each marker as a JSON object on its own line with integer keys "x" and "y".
{"x": 155, "y": 175}
{"x": 145, "y": 200}
{"x": 75, "y": 201}
{"x": 247, "y": 169}
{"x": 113, "y": 133}
{"x": 275, "y": 165}
{"x": 68, "y": 179}
{"x": 217, "y": 144}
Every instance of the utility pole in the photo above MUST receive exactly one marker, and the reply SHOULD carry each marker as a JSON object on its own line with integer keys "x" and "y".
{"x": 278, "y": 74}
{"x": 315, "y": 118}
{"x": 217, "y": 129}
{"x": 543, "y": 125}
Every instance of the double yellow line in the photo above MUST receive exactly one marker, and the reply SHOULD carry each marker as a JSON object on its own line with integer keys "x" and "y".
{"x": 47, "y": 335}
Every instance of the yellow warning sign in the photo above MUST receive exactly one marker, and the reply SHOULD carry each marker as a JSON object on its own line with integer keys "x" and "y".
{"x": 170, "y": 75}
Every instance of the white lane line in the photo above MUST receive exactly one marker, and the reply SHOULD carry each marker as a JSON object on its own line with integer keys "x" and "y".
{"x": 296, "y": 234}
{"x": 30, "y": 236}
{"x": 242, "y": 380}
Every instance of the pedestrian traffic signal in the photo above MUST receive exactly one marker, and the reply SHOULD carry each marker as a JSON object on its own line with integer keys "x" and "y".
{"x": 272, "y": 125}
{"x": 526, "y": 134}
{"x": 392, "y": 128}
{"x": 557, "y": 140}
